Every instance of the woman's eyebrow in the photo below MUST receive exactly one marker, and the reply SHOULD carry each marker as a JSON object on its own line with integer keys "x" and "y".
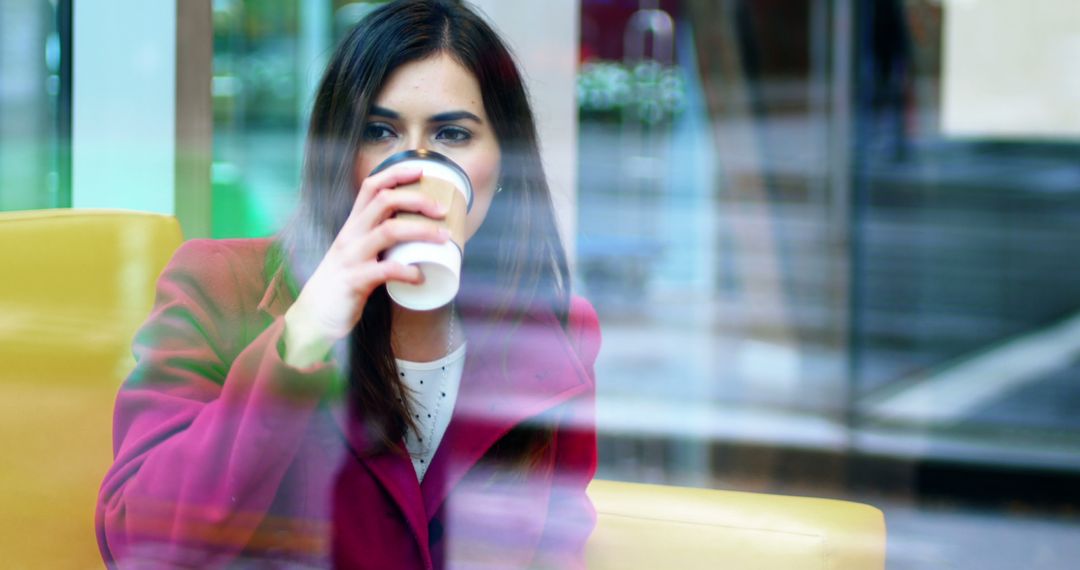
{"x": 384, "y": 112}
{"x": 446, "y": 117}
{"x": 454, "y": 116}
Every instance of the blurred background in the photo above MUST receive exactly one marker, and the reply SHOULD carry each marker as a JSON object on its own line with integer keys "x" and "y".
{"x": 834, "y": 244}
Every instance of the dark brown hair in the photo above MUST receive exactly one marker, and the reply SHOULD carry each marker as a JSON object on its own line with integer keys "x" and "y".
{"x": 514, "y": 263}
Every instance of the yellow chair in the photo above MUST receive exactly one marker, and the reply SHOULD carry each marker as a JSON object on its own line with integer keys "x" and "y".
{"x": 655, "y": 526}
{"x": 74, "y": 287}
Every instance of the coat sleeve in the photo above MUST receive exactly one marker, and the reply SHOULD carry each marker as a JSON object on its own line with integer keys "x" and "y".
{"x": 571, "y": 516}
{"x": 204, "y": 429}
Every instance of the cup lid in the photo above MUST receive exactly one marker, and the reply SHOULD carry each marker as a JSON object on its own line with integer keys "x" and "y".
{"x": 424, "y": 154}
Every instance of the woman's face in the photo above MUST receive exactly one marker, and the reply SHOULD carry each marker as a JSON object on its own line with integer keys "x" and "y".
{"x": 435, "y": 104}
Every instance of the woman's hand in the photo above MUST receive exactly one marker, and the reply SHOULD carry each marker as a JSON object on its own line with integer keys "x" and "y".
{"x": 333, "y": 299}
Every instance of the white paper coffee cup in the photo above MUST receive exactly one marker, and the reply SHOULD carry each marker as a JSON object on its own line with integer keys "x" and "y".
{"x": 440, "y": 264}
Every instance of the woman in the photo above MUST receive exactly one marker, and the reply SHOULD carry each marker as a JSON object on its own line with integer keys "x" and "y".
{"x": 277, "y": 414}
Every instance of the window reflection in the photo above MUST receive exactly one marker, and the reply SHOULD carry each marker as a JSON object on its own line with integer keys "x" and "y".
{"x": 808, "y": 284}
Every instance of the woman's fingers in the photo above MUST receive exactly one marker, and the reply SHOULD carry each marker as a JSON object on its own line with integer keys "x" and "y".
{"x": 362, "y": 280}
{"x": 394, "y": 271}
{"x": 390, "y": 233}
{"x": 390, "y": 178}
{"x": 387, "y": 203}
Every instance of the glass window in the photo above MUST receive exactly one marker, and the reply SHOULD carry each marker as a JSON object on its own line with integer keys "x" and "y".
{"x": 823, "y": 267}
{"x": 35, "y": 105}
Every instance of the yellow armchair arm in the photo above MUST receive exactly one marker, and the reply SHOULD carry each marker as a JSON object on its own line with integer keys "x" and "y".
{"x": 655, "y": 526}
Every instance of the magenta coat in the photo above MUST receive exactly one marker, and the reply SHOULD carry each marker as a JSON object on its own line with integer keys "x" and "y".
{"x": 225, "y": 456}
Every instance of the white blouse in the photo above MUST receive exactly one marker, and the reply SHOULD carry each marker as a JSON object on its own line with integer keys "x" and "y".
{"x": 434, "y": 387}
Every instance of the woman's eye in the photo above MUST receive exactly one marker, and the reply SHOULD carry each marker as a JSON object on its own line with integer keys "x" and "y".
{"x": 453, "y": 134}
{"x": 377, "y": 132}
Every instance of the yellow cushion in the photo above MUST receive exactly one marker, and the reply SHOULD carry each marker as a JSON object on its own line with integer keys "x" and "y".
{"x": 654, "y": 526}
{"x": 75, "y": 286}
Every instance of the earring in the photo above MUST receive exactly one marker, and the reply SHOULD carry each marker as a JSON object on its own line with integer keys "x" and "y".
{"x": 498, "y": 188}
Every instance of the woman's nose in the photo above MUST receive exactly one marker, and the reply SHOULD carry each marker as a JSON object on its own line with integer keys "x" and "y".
{"x": 415, "y": 142}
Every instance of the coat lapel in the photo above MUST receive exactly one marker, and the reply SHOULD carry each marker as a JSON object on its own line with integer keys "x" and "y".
{"x": 393, "y": 471}
{"x": 509, "y": 378}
